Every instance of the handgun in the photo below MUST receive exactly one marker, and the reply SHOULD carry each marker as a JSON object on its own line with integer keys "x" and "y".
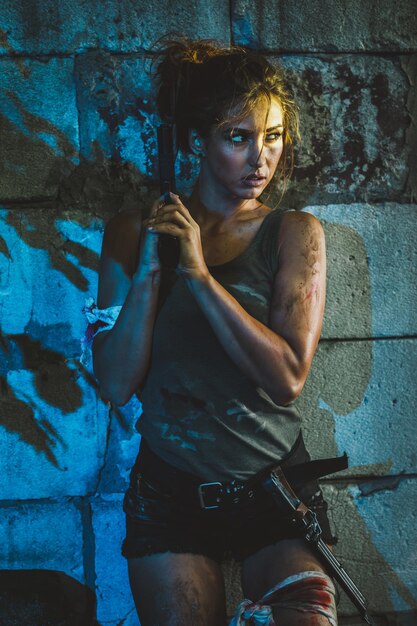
{"x": 168, "y": 246}
{"x": 279, "y": 488}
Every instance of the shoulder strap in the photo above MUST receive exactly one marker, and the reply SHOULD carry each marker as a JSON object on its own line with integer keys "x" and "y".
{"x": 270, "y": 232}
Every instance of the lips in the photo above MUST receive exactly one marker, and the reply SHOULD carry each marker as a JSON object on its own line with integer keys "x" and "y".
{"x": 254, "y": 181}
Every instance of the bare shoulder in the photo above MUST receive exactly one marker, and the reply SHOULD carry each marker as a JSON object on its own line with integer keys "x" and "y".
{"x": 121, "y": 239}
{"x": 302, "y": 230}
{"x": 119, "y": 257}
{"x": 300, "y": 222}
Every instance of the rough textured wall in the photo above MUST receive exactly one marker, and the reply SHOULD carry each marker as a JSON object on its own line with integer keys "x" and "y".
{"x": 77, "y": 143}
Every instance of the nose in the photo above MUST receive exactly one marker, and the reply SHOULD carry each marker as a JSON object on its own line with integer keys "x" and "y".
{"x": 257, "y": 153}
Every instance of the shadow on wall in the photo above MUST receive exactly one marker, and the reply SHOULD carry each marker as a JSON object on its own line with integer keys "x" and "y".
{"x": 41, "y": 597}
{"x": 55, "y": 385}
{"x": 40, "y": 350}
{"x": 75, "y": 192}
{"x": 337, "y": 385}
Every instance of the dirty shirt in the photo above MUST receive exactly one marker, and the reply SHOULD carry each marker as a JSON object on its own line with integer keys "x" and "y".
{"x": 201, "y": 413}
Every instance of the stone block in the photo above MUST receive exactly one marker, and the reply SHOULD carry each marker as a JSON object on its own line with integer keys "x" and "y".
{"x": 360, "y": 398}
{"x": 47, "y": 535}
{"x": 350, "y": 148}
{"x": 377, "y": 533}
{"x": 49, "y": 261}
{"x": 51, "y": 419}
{"x": 117, "y": 108}
{"x": 371, "y": 260}
{"x": 70, "y": 26}
{"x": 409, "y": 66}
{"x": 40, "y": 597}
{"x": 118, "y": 121}
{"x": 38, "y": 126}
{"x": 114, "y": 600}
{"x": 121, "y": 449}
{"x": 52, "y": 423}
{"x": 325, "y": 25}
{"x": 353, "y": 122}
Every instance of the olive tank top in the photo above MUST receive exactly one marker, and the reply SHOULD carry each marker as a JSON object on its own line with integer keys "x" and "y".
{"x": 201, "y": 413}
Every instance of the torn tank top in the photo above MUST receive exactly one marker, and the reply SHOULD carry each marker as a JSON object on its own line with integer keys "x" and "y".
{"x": 201, "y": 413}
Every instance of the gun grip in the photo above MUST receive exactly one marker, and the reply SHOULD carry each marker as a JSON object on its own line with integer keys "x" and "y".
{"x": 168, "y": 246}
{"x": 168, "y": 251}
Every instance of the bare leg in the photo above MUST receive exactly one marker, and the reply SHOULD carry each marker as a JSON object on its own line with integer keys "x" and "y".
{"x": 267, "y": 567}
{"x": 177, "y": 589}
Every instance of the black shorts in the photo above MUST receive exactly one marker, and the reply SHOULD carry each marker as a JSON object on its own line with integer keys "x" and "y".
{"x": 157, "y": 523}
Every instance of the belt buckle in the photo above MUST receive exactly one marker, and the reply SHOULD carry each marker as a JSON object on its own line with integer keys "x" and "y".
{"x": 203, "y": 491}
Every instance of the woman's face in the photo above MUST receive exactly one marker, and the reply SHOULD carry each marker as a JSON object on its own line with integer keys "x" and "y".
{"x": 240, "y": 159}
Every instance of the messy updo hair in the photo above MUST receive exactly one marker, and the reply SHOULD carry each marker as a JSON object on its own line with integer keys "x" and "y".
{"x": 201, "y": 82}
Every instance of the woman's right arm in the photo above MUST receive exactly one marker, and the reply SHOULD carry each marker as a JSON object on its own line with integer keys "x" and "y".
{"x": 121, "y": 355}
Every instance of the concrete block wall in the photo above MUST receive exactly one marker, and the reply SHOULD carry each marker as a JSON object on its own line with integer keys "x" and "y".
{"x": 77, "y": 144}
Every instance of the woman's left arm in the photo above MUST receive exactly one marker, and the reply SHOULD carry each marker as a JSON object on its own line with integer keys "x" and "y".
{"x": 277, "y": 358}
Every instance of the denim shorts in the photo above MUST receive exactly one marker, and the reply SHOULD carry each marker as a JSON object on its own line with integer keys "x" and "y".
{"x": 157, "y": 522}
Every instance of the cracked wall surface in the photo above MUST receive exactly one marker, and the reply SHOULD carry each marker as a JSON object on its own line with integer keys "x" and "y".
{"x": 78, "y": 144}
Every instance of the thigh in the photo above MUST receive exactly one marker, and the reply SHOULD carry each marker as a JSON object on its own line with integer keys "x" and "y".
{"x": 271, "y": 565}
{"x": 176, "y": 589}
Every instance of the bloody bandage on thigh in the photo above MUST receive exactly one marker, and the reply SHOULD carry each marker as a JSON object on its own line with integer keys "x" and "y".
{"x": 306, "y": 592}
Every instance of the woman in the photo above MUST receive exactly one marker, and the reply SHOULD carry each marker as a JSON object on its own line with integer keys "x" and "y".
{"x": 218, "y": 352}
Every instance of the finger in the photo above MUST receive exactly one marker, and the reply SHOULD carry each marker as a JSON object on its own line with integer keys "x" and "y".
{"x": 156, "y": 206}
{"x": 146, "y": 223}
{"x": 169, "y": 211}
{"x": 177, "y": 207}
{"x": 163, "y": 199}
{"x": 176, "y": 200}
{"x": 173, "y": 198}
{"x": 148, "y": 231}
{"x": 167, "y": 198}
{"x": 171, "y": 217}
{"x": 167, "y": 228}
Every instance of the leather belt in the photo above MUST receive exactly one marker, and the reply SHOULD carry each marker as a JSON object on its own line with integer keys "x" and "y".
{"x": 187, "y": 488}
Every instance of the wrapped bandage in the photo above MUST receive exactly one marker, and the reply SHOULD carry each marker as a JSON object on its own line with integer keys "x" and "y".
{"x": 306, "y": 592}
{"x": 98, "y": 320}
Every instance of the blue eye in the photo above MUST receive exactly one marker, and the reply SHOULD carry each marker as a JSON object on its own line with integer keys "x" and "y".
{"x": 239, "y": 138}
{"x": 236, "y": 138}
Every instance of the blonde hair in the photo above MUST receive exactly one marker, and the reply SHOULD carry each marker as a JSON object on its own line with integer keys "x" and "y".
{"x": 200, "y": 82}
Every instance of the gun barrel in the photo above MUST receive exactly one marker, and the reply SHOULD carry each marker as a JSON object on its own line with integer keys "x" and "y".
{"x": 168, "y": 246}
{"x": 341, "y": 575}
{"x": 344, "y": 580}
{"x": 166, "y": 158}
